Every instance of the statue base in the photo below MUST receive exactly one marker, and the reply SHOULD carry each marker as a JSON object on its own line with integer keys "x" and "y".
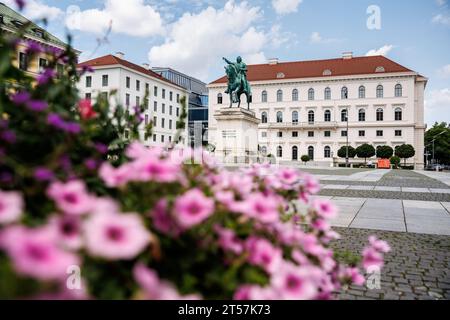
{"x": 236, "y": 135}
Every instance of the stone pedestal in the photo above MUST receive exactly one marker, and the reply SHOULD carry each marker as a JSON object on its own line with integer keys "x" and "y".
{"x": 236, "y": 135}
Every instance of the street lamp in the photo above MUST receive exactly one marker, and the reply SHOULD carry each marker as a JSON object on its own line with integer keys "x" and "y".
{"x": 346, "y": 149}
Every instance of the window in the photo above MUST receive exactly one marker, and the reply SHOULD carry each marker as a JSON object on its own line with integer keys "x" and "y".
{"x": 138, "y": 85}
{"x": 155, "y": 106}
{"x": 23, "y": 61}
{"x": 279, "y": 117}
{"x": 280, "y": 152}
{"x": 264, "y": 150}
{"x": 127, "y": 100}
{"x": 147, "y": 88}
{"x": 2, "y": 19}
{"x": 344, "y": 116}
{"x": 146, "y": 103}
{"x": 170, "y": 138}
{"x": 39, "y": 33}
{"x": 398, "y": 114}
{"x": 219, "y": 98}
{"x": 294, "y": 153}
{"x": 398, "y": 133}
{"x": 294, "y": 134}
{"x": 146, "y": 119}
{"x": 170, "y": 124}
{"x": 344, "y": 133}
{"x": 154, "y": 138}
{"x": 170, "y": 110}
{"x": 327, "y": 152}
{"x": 295, "y": 95}
{"x": 379, "y": 133}
{"x": 327, "y": 94}
{"x": 327, "y": 134}
{"x": 42, "y": 64}
{"x": 59, "y": 70}
{"x": 264, "y": 117}
{"x": 177, "y": 113}
{"x": 162, "y": 138}
{"x": 380, "y": 114}
{"x": 280, "y": 134}
{"x": 295, "y": 117}
{"x": 264, "y": 96}
{"x": 104, "y": 95}
{"x": 105, "y": 80}
{"x": 163, "y": 122}
{"x": 279, "y": 96}
{"x": 155, "y": 91}
{"x": 344, "y": 93}
{"x": 362, "y": 133}
{"x": 311, "y": 117}
{"x": 178, "y": 98}
{"x": 88, "y": 82}
{"x": 311, "y": 94}
{"x": 264, "y": 134}
{"x": 362, "y": 115}
{"x": 311, "y": 152}
{"x": 88, "y": 96}
{"x": 398, "y": 90}
{"x": 163, "y": 93}
{"x": 155, "y": 121}
{"x": 380, "y": 91}
{"x": 311, "y": 134}
{"x": 362, "y": 92}
{"x": 327, "y": 116}
{"x": 138, "y": 102}
{"x": 128, "y": 81}
{"x": 163, "y": 108}
{"x": 170, "y": 95}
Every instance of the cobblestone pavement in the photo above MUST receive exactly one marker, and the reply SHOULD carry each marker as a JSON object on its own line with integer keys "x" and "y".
{"x": 417, "y": 268}
{"x": 440, "y": 197}
{"x": 335, "y": 172}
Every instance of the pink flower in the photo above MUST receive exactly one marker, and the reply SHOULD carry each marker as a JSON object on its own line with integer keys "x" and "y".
{"x": 310, "y": 184}
{"x": 71, "y": 197}
{"x": 262, "y": 208}
{"x": 34, "y": 253}
{"x": 354, "y": 276}
{"x": 115, "y": 177}
{"x": 379, "y": 245}
{"x": 162, "y": 221}
{"x": 228, "y": 240}
{"x": 288, "y": 177}
{"x": 262, "y": 253}
{"x": 11, "y": 206}
{"x": 193, "y": 208}
{"x": 155, "y": 288}
{"x": 115, "y": 236}
{"x": 68, "y": 231}
{"x": 325, "y": 209}
{"x": 294, "y": 283}
{"x": 254, "y": 292}
{"x": 372, "y": 259}
{"x": 86, "y": 110}
{"x": 152, "y": 168}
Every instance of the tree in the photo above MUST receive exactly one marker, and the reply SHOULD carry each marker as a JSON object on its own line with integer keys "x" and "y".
{"x": 440, "y": 132}
{"x": 395, "y": 161}
{"x": 384, "y": 152}
{"x": 305, "y": 159}
{"x": 405, "y": 152}
{"x": 351, "y": 152}
{"x": 365, "y": 151}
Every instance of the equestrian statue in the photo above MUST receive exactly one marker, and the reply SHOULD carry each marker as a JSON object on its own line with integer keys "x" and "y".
{"x": 237, "y": 82}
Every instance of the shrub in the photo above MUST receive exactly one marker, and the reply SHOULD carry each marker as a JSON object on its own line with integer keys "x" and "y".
{"x": 365, "y": 151}
{"x": 405, "y": 152}
{"x": 395, "y": 161}
{"x": 305, "y": 159}
{"x": 385, "y": 152}
{"x": 342, "y": 152}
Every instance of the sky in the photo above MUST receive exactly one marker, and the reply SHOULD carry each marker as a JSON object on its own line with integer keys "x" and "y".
{"x": 193, "y": 35}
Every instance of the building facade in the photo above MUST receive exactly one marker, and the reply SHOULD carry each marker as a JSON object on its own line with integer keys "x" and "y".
{"x": 132, "y": 83}
{"x": 197, "y": 106}
{"x": 303, "y": 107}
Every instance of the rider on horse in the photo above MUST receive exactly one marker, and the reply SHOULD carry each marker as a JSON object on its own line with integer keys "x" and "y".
{"x": 239, "y": 84}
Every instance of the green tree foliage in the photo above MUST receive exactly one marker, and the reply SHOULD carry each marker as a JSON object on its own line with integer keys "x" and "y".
{"x": 385, "y": 152}
{"x": 405, "y": 152}
{"x": 305, "y": 159}
{"x": 441, "y": 133}
{"x": 351, "y": 152}
{"x": 365, "y": 151}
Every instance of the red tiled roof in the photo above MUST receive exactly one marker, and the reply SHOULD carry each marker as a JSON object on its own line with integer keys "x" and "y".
{"x": 110, "y": 60}
{"x": 314, "y": 69}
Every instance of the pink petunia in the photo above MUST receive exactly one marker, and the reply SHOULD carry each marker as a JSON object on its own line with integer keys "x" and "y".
{"x": 325, "y": 209}
{"x": 115, "y": 177}
{"x": 192, "y": 208}
{"x": 35, "y": 253}
{"x": 115, "y": 236}
{"x": 294, "y": 283}
{"x": 11, "y": 206}
{"x": 310, "y": 184}
{"x": 379, "y": 245}
{"x": 162, "y": 220}
{"x": 71, "y": 197}
{"x": 262, "y": 253}
{"x": 228, "y": 240}
{"x": 68, "y": 231}
{"x": 372, "y": 259}
{"x": 262, "y": 208}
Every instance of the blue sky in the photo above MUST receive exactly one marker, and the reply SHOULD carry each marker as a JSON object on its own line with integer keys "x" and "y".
{"x": 193, "y": 35}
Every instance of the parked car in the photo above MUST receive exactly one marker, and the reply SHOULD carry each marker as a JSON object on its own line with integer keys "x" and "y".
{"x": 434, "y": 167}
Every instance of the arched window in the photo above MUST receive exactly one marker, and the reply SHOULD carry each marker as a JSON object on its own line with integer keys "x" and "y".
{"x": 398, "y": 90}
{"x": 311, "y": 94}
{"x": 219, "y": 98}
{"x": 327, "y": 152}
{"x": 264, "y": 96}
{"x": 398, "y": 114}
{"x": 311, "y": 152}
{"x": 327, "y": 116}
{"x": 280, "y": 152}
{"x": 295, "y": 95}
{"x": 294, "y": 153}
{"x": 380, "y": 91}
{"x": 264, "y": 117}
{"x": 344, "y": 115}
{"x": 362, "y": 92}
{"x": 344, "y": 93}
{"x": 380, "y": 114}
{"x": 311, "y": 117}
{"x": 362, "y": 115}
{"x": 279, "y": 95}
{"x": 327, "y": 93}
{"x": 279, "y": 117}
{"x": 264, "y": 151}
{"x": 295, "y": 117}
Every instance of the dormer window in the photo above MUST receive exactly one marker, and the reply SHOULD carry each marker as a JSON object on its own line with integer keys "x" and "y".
{"x": 280, "y": 75}
{"x": 327, "y": 72}
{"x": 380, "y": 69}
{"x": 39, "y": 33}
{"x": 17, "y": 23}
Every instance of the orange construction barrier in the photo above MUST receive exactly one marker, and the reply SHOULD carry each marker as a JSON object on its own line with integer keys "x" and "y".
{"x": 384, "y": 164}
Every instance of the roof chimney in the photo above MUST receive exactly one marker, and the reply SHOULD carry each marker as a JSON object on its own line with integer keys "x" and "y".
{"x": 146, "y": 66}
{"x": 347, "y": 55}
{"x": 273, "y": 61}
{"x": 120, "y": 55}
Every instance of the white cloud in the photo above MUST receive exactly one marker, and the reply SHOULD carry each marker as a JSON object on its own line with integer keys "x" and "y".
{"x": 442, "y": 18}
{"x": 131, "y": 17}
{"x": 286, "y": 6}
{"x": 36, "y": 9}
{"x": 317, "y": 38}
{"x": 441, "y": 2}
{"x": 437, "y": 99}
{"x": 196, "y": 42}
{"x": 444, "y": 71}
{"x": 383, "y": 51}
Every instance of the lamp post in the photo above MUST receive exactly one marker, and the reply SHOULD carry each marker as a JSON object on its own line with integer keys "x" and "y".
{"x": 346, "y": 149}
